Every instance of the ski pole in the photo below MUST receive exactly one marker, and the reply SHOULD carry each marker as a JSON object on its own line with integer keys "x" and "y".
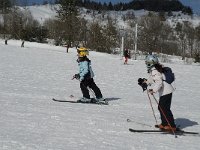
{"x": 91, "y": 92}
{"x": 164, "y": 116}
{"x": 152, "y": 107}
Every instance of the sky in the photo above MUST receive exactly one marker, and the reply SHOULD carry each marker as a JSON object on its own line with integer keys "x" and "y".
{"x": 194, "y": 4}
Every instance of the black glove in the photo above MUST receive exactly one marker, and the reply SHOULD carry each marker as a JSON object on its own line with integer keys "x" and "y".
{"x": 76, "y": 76}
{"x": 142, "y": 83}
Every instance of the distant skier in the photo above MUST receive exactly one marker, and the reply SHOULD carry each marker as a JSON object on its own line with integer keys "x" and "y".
{"x": 6, "y": 42}
{"x": 126, "y": 56}
{"x": 157, "y": 79}
{"x": 22, "y": 45}
{"x": 85, "y": 76}
{"x": 68, "y": 46}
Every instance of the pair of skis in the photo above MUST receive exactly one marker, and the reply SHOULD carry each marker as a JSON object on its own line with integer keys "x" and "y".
{"x": 93, "y": 101}
{"x": 177, "y": 132}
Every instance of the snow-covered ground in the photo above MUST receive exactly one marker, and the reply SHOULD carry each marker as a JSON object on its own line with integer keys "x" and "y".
{"x": 29, "y": 120}
{"x": 41, "y": 12}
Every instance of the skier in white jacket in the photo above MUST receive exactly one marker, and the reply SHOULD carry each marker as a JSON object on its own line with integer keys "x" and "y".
{"x": 165, "y": 90}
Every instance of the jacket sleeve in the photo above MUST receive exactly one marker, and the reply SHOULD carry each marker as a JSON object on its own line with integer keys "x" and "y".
{"x": 83, "y": 69}
{"x": 156, "y": 79}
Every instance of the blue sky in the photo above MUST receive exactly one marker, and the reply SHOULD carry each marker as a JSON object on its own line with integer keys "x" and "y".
{"x": 194, "y": 4}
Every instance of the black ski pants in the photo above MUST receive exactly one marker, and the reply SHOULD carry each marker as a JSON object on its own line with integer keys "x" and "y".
{"x": 91, "y": 84}
{"x": 165, "y": 111}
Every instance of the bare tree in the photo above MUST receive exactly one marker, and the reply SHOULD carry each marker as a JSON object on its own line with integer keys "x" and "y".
{"x": 181, "y": 36}
{"x": 150, "y": 32}
{"x": 197, "y": 35}
{"x": 190, "y": 35}
{"x": 95, "y": 37}
{"x": 186, "y": 37}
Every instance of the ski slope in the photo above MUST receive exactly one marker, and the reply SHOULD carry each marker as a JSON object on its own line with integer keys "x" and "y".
{"x": 29, "y": 120}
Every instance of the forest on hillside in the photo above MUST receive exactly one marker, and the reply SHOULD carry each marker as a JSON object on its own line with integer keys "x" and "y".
{"x": 150, "y": 5}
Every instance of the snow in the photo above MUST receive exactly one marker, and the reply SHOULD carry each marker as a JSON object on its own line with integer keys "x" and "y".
{"x": 180, "y": 17}
{"x": 31, "y": 76}
{"x": 42, "y": 12}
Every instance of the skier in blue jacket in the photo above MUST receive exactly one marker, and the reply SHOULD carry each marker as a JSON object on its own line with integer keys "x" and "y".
{"x": 85, "y": 77}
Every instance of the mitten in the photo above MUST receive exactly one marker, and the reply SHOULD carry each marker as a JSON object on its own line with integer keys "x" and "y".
{"x": 77, "y": 76}
{"x": 142, "y": 83}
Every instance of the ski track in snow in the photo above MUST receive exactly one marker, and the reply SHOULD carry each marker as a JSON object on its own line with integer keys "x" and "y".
{"x": 29, "y": 120}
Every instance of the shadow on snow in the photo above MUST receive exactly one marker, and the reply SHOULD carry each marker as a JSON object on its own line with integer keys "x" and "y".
{"x": 183, "y": 122}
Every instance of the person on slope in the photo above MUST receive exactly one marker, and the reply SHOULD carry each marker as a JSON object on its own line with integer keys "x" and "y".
{"x": 126, "y": 56}
{"x": 165, "y": 90}
{"x": 85, "y": 76}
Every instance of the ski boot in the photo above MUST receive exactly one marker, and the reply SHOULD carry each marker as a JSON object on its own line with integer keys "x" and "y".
{"x": 84, "y": 100}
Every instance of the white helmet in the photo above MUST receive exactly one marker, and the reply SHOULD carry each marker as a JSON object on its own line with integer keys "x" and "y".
{"x": 151, "y": 60}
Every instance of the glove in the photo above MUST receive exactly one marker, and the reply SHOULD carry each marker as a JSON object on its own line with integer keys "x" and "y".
{"x": 76, "y": 76}
{"x": 142, "y": 83}
{"x": 151, "y": 91}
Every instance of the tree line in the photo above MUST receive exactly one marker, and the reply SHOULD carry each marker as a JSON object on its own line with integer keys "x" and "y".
{"x": 150, "y": 5}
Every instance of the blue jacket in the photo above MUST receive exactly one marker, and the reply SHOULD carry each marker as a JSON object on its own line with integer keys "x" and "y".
{"x": 85, "y": 70}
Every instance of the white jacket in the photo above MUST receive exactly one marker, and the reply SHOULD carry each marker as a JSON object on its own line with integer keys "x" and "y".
{"x": 158, "y": 85}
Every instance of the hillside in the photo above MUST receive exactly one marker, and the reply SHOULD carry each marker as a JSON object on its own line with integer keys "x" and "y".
{"x": 43, "y": 12}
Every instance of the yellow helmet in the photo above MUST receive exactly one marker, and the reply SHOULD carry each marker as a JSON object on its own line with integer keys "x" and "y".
{"x": 82, "y": 51}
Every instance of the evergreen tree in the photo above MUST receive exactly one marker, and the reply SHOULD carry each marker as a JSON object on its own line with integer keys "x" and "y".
{"x": 67, "y": 9}
{"x": 5, "y": 5}
{"x": 110, "y": 6}
{"x": 68, "y": 15}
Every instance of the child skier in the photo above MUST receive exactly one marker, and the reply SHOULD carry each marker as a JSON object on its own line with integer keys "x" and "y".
{"x": 157, "y": 78}
{"x": 85, "y": 77}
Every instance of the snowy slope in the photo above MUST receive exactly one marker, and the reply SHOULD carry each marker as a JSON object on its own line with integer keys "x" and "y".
{"x": 41, "y": 12}
{"x": 29, "y": 120}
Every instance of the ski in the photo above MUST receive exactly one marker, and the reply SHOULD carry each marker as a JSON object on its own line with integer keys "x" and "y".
{"x": 178, "y": 132}
{"x": 93, "y": 101}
